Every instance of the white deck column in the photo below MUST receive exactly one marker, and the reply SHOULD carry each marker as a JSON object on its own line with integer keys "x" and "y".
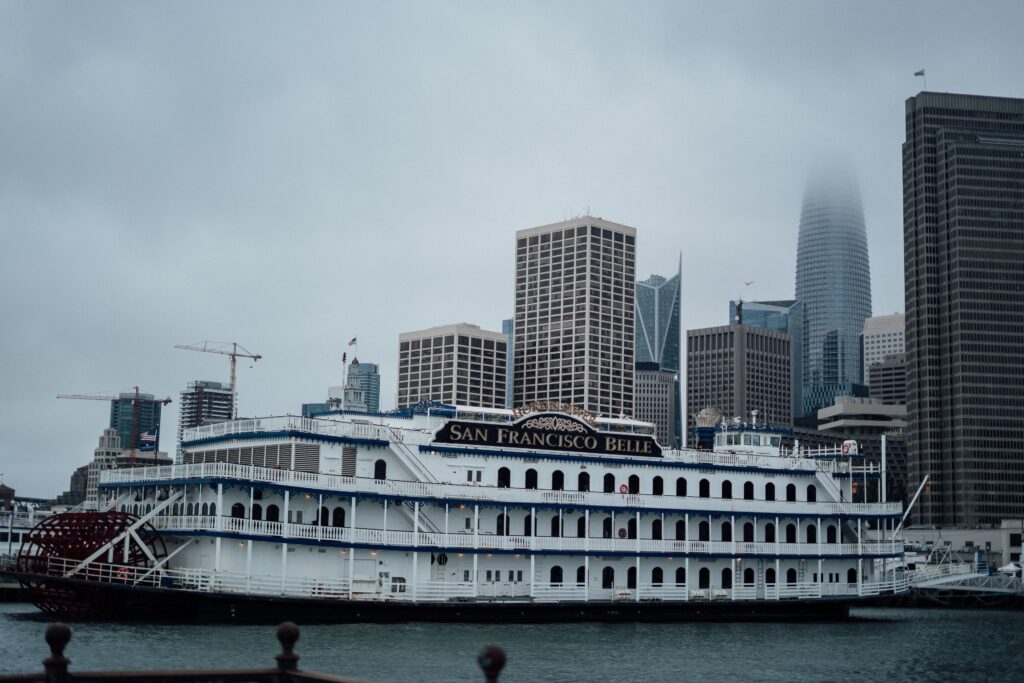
{"x": 732, "y": 527}
{"x": 476, "y": 558}
{"x": 637, "y": 545}
{"x": 319, "y": 520}
{"x": 778, "y": 575}
{"x": 586, "y": 536}
{"x": 778, "y": 535}
{"x": 385, "y": 515}
{"x": 352, "y": 550}
{"x": 686, "y": 584}
{"x": 476, "y": 540}
{"x": 416, "y": 524}
{"x": 284, "y": 565}
{"x": 248, "y": 564}
{"x": 636, "y": 593}
{"x": 586, "y": 576}
{"x": 533, "y": 570}
{"x": 286, "y": 520}
{"x": 446, "y": 521}
{"x": 217, "y": 524}
{"x": 858, "y": 537}
{"x": 252, "y": 494}
{"x": 415, "y": 574}
{"x": 818, "y": 535}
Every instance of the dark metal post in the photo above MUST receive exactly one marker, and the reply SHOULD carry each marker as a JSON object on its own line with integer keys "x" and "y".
{"x": 491, "y": 661}
{"x": 56, "y": 665}
{"x": 287, "y": 635}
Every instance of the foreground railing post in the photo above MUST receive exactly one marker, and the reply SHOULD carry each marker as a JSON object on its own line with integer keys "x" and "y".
{"x": 56, "y": 665}
{"x": 287, "y": 635}
{"x": 491, "y": 661}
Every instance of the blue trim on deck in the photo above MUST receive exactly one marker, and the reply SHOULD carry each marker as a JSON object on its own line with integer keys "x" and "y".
{"x": 287, "y": 433}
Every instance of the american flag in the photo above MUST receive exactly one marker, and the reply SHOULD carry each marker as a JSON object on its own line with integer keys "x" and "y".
{"x": 353, "y": 342}
{"x": 147, "y": 437}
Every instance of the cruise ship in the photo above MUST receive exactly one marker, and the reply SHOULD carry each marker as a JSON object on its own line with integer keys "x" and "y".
{"x": 454, "y": 513}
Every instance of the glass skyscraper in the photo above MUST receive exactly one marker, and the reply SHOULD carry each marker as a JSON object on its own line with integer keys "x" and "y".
{"x": 657, "y": 396}
{"x": 833, "y": 284}
{"x": 122, "y": 415}
{"x": 366, "y": 376}
{"x": 781, "y": 316}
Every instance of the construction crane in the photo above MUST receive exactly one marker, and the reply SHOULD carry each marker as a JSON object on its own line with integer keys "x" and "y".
{"x": 137, "y": 401}
{"x": 237, "y": 351}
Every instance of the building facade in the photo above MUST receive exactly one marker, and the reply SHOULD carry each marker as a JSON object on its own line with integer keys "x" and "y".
{"x": 366, "y": 378}
{"x": 147, "y": 434}
{"x": 203, "y": 402}
{"x": 883, "y": 336}
{"x": 657, "y": 356}
{"x": 574, "y": 315}
{"x": 104, "y": 457}
{"x": 963, "y": 198}
{"x": 508, "y": 329}
{"x": 457, "y": 364}
{"x": 887, "y": 381}
{"x": 833, "y": 285}
{"x": 782, "y": 316}
{"x": 736, "y": 369}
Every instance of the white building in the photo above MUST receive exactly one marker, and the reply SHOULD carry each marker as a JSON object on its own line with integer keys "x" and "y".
{"x": 883, "y": 337}
{"x": 456, "y": 364}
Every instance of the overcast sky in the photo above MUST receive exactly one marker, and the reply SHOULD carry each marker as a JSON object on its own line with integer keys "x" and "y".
{"x": 292, "y": 175}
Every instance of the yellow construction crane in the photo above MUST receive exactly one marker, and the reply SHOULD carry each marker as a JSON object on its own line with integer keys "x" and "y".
{"x": 236, "y": 351}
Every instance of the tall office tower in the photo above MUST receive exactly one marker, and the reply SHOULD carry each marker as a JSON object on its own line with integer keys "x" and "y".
{"x": 887, "y": 381}
{"x": 148, "y": 427}
{"x": 884, "y": 336}
{"x": 833, "y": 284}
{"x": 575, "y": 291}
{"x": 963, "y": 252}
{"x": 782, "y": 316}
{"x": 508, "y": 329}
{"x": 736, "y": 369}
{"x": 656, "y": 393}
{"x": 456, "y": 364}
{"x": 366, "y": 376}
{"x": 104, "y": 457}
{"x": 203, "y": 402}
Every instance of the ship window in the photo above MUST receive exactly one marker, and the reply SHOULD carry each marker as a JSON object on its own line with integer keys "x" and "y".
{"x": 719, "y": 440}
{"x": 273, "y": 513}
{"x": 704, "y": 578}
{"x": 465, "y": 575}
{"x": 748, "y": 533}
{"x": 501, "y": 526}
{"x": 704, "y": 532}
{"x": 583, "y": 482}
{"x": 606, "y": 527}
{"x": 631, "y": 577}
{"x": 851, "y": 575}
{"x": 769, "y": 533}
{"x": 656, "y": 530}
{"x": 727, "y": 578}
{"x": 631, "y": 528}
{"x": 830, "y": 534}
{"x": 812, "y": 493}
{"x": 748, "y": 490}
{"x": 791, "y": 493}
{"x": 380, "y": 470}
{"x": 338, "y": 517}
{"x": 769, "y": 491}
{"x": 556, "y": 575}
{"x": 812, "y": 534}
{"x": 238, "y": 511}
{"x": 257, "y": 511}
{"x": 726, "y": 531}
{"x": 755, "y": 439}
{"x": 557, "y": 480}
{"x": 726, "y": 489}
{"x": 681, "y": 486}
{"x": 609, "y": 483}
{"x": 531, "y": 478}
{"x": 504, "y": 478}
{"x": 658, "y": 486}
{"x": 205, "y": 510}
{"x": 325, "y": 517}
{"x": 790, "y": 576}
{"x": 769, "y": 576}
{"x": 556, "y": 526}
{"x": 581, "y": 574}
{"x": 748, "y": 576}
{"x": 634, "y": 484}
{"x": 790, "y": 533}
{"x": 680, "y": 576}
{"x": 581, "y": 527}
{"x": 680, "y": 530}
{"x": 776, "y": 440}
{"x": 528, "y": 525}
{"x": 608, "y": 577}
{"x": 705, "y": 488}
{"x": 746, "y": 439}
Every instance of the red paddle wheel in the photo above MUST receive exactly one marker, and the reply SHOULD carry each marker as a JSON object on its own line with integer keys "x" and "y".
{"x": 49, "y": 559}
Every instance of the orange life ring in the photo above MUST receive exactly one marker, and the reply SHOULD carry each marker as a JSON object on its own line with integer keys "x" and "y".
{"x": 623, "y": 488}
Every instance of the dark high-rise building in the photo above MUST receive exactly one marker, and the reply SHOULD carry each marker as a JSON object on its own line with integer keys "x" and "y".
{"x": 963, "y": 249}
{"x": 656, "y": 395}
{"x": 737, "y": 369}
{"x": 508, "y": 329}
{"x": 148, "y": 426}
{"x": 887, "y": 380}
{"x": 457, "y": 364}
{"x": 366, "y": 377}
{"x": 833, "y": 284}
{"x": 203, "y": 402}
{"x": 782, "y": 316}
{"x": 574, "y": 317}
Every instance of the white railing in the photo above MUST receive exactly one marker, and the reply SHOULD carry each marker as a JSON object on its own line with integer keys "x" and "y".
{"x": 938, "y": 572}
{"x": 339, "y": 485}
{"x": 455, "y": 541}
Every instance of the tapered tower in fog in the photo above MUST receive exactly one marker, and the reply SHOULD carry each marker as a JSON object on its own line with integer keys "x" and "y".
{"x": 833, "y": 284}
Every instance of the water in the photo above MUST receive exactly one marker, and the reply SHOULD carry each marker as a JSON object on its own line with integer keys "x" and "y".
{"x": 880, "y": 644}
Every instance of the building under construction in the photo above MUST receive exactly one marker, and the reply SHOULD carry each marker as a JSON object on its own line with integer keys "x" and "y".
{"x": 204, "y": 402}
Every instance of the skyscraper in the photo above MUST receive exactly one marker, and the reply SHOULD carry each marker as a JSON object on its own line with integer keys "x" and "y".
{"x": 574, "y": 315}
{"x": 782, "y": 316}
{"x": 122, "y": 410}
{"x": 963, "y": 250}
{"x": 366, "y": 376}
{"x": 203, "y": 402}
{"x": 508, "y": 329}
{"x": 456, "y": 364}
{"x": 656, "y": 387}
{"x": 736, "y": 369}
{"x": 833, "y": 284}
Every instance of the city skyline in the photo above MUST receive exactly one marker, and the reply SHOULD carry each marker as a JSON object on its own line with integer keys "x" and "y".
{"x": 233, "y": 183}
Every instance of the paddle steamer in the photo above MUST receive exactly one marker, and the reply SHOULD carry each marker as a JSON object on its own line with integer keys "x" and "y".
{"x": 458, "y": 514}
